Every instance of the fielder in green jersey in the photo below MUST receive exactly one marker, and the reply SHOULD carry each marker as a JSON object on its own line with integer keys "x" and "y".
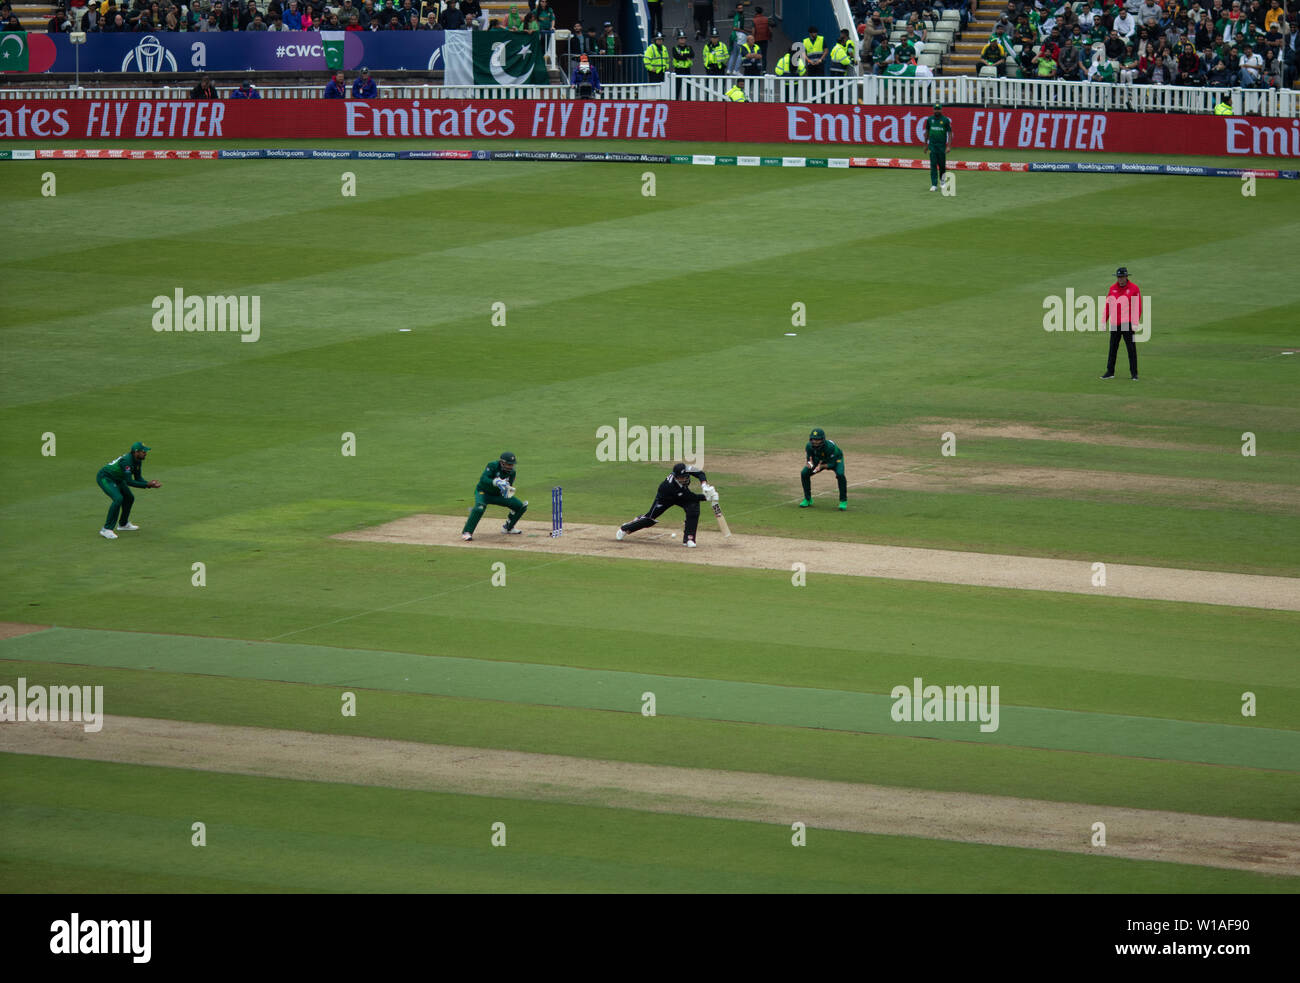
{"x": 938, "y": 134}
{"x": 823, "y": 455}
{"x": 116, "y": 479}
{"x": 496, "y": 486}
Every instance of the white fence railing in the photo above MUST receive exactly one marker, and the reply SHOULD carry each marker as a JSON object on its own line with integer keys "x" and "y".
{"x": 871, "y": 90}
{"x": 963, "y": 90}
{"x": 629, "y": 91}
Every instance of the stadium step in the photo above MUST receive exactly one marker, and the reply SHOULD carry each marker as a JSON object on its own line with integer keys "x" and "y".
{"x": 963, "y": 58}
{"x": 34, "y": 17}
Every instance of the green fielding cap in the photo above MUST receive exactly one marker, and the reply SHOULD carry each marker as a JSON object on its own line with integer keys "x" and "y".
{"x": 938, "y": 106}
{"x": 138, "y": 446}
{"x": 507, "y": 457}
{"x": 817, "y": 434}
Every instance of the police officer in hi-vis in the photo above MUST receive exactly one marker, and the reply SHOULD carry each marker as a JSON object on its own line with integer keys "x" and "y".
{"x": 655, "y": 59}
{"x": 683, "y": 59}
{"x": 715, "y": 55}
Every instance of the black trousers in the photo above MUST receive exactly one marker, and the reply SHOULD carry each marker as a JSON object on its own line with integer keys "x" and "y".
{"x": 703, "y": 19}
{"x": 692, "y": 510}
{"x": 656, "y": 17}
{"x": 1114, "y": 350}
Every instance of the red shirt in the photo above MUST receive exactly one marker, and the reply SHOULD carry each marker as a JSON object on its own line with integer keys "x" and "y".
{"x": 1126, "y": 302}
{"x": 762, "y": 28}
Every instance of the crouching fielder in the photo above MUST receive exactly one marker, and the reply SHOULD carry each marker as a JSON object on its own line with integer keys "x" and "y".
{"x": 823, "y": 455}
{"x": 496, "y": 487}
{"x": 675, "y": 490}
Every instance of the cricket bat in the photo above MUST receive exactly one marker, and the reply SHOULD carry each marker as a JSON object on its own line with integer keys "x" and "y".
{"x": 722, "y": 523}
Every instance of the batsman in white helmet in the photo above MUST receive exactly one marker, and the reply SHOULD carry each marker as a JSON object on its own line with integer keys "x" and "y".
{"x": 675, "y": 490}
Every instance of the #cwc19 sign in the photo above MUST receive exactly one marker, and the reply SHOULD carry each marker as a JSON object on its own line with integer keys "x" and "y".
{"x": 467, "y": 57}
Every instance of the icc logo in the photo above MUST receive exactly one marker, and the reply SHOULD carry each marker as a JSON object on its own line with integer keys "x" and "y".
{"x": 149, "y": 56}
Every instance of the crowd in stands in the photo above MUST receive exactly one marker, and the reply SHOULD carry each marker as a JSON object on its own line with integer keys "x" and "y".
{"x": 110, "y": 16}
{"x": 1249, "y": 43}
{"x": 878, "y": 20}
{"x": 1227, "y": 43}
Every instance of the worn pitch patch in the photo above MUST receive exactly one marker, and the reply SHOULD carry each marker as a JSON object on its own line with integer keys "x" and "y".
{"x": 851, "y": 559}
{"x": 1135, "y": 834}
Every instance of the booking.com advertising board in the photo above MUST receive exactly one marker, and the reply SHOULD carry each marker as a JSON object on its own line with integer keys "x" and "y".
{"x": 214, "y": 51}
{"x": 843, "y": 128}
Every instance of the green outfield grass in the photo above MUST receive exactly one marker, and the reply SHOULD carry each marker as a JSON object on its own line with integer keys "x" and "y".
{"x": 957, "y": 765}
{"x": 924, "y": 315}
{"x": 84, "y": 824}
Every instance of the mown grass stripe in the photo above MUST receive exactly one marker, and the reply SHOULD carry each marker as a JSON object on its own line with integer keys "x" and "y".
{"x": 565, "y": 686}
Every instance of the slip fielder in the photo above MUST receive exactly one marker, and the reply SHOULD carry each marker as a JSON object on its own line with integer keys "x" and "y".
{"x": 822, "y": 455}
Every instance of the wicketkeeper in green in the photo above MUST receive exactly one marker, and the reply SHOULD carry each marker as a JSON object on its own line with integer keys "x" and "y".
{"x": 823, "y": 455}
{"x": 938, "y": 134}
{"x": 116, "y": 479}
{"x": 496, "y": 486}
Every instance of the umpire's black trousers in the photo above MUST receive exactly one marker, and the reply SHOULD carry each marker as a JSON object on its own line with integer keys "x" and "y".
{"x": 1127, "y": 331}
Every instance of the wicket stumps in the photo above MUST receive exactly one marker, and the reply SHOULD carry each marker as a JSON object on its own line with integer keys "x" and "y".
{"x": 557, "y": 511}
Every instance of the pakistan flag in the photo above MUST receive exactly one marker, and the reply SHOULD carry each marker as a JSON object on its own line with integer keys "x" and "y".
{"x": 13, "y": 51}
{"x": 332, "y": 44}
{"x": 494, "y": 58}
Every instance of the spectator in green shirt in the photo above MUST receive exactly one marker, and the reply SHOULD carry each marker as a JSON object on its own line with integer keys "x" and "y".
{"x": 545, "y": 17}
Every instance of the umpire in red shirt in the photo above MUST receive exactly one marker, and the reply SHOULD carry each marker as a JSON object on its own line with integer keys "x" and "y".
{"x": 1123, "y": 307}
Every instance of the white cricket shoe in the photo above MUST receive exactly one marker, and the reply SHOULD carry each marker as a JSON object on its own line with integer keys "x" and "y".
{"x": 512, "y": 532}
{"x": 621, "y": 534}
{"x": 934, "y": 187}
{"x": 108, "y": 534}
{"x": 127, "y": 527}
{"x": 466, "y": 536}
{"x": 689, "y": 544}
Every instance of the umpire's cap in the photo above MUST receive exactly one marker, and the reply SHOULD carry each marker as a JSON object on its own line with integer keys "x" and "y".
{"x": 1122, "y": 271}
{"x": 139, "y": 446}
{"x": 507, "y": 458}
{"x": 817, "y": 434}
